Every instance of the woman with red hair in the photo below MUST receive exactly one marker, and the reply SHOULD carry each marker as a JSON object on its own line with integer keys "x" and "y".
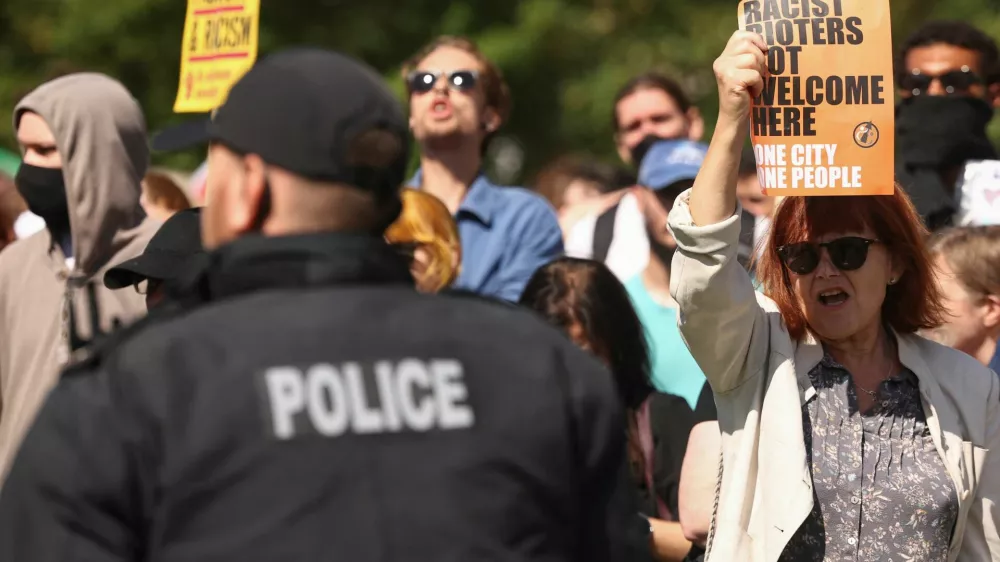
{"x": 845, "y": 435}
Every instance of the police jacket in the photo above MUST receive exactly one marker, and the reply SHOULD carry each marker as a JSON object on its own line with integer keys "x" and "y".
{"x": 313, "y": 406}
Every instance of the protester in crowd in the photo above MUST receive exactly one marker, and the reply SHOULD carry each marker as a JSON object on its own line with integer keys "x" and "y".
{"x": 304, "y": 373}
{"x": 573, "y": 180}
{"x": 426, "y": 234}
{"x": 587, "y": 302}
{"x": 83, "y": 137}
{"x": 578, "y": 186}
{"x": 948, "y": 75}
{"x": 967, "y": 261}
{"x": 12, "y": 205}
{"x": 821, "y": 384}
{"x": 162, "y": 195}
{"x": 650, "y": 106}
{"x": 667, "y": 169}
{"x": 168, "y": 255}
{"x": 458, "y": 101}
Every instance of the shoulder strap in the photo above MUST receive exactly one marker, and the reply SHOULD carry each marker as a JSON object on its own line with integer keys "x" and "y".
{"x": 604, "y": 232}
{"x": 715, "y": 507}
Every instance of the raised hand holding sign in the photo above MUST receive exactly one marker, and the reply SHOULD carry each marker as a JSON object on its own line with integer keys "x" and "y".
{"x": 739, "y": 72}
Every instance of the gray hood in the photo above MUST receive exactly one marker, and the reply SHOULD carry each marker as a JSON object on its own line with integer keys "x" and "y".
{"x": 100, "y": 133}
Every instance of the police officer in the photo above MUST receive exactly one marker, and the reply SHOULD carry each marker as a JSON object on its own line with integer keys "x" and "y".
{"x": 312, "y": 405}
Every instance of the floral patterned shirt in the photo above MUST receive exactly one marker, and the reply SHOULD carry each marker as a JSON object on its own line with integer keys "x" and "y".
{"x": 880, "y": 489}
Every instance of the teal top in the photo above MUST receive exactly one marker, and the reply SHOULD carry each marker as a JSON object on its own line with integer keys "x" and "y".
{"x": 674, "y": 370}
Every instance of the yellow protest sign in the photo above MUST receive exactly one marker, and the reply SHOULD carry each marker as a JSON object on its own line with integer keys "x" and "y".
{"x": 219, "y": 47}
{"x": 825, "y": 122}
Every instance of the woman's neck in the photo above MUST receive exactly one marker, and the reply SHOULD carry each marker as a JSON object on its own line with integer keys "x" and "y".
{"x": 869, "y": 355}
{"x": 448, "y": 175}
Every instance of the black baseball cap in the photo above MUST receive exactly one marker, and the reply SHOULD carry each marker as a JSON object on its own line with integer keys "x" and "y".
{"x": 182, "y": 136}
{"x": 177, "y": 241}
{"x": 305, "y": 110}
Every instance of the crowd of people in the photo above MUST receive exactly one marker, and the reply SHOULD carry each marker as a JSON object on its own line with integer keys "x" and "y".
{"x": 301, "y": 351}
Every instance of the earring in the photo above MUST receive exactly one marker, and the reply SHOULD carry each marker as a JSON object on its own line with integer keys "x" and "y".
{"x": 892, "y": 281}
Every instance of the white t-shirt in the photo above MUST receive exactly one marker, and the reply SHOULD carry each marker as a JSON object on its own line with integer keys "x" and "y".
{"x": 628, "y": 254}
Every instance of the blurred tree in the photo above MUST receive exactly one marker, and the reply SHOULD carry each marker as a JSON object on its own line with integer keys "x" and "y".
{"x": 564, "y": 59}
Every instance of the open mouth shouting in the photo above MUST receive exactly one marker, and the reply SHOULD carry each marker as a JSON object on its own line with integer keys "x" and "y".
{"x": 441, "y": 108}
{"x": 833, "y": 298}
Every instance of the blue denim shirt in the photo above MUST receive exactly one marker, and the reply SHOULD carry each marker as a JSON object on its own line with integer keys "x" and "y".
{"x": 507, "y": 233}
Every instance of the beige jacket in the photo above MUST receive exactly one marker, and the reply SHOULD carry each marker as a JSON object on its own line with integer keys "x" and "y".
{"x": 100, "y": 133}
{"x": 760, "y": 378}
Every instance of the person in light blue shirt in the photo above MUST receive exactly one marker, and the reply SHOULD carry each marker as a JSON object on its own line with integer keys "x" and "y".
{"x": 458, "y": 100}
{"x": 667, "y": 169}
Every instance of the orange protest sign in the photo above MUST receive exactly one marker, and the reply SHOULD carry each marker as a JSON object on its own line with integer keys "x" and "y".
{"x": 824, "y": 124}
{"x": 219, "y": 47}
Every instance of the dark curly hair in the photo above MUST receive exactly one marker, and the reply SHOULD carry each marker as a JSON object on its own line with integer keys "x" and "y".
{"x": 957, "y": 34}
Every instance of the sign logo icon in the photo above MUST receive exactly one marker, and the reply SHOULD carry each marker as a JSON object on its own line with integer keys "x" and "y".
{"x": 866, "y": 134}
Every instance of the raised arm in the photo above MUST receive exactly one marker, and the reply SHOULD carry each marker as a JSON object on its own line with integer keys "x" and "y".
{"x": 720, "y": 319}
{"x": 739, "y": 72}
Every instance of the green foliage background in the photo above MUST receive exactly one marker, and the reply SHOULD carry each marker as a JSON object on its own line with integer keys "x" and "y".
{"x": 564, "y": 59}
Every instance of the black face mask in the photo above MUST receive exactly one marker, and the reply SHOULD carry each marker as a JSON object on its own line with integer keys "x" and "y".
{"x": 44, "y": 190}
{"x": 943, "y": 132}
{"x": 640, "y": 150}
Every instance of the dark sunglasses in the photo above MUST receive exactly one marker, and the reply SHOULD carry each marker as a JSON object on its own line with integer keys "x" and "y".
{"x": 422, "y": 81}
{"x": 953, "y": 82}
{"x": 847, "y": 254}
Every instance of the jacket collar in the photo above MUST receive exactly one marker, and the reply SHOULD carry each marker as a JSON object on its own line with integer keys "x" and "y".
{"x": 257, "y": 263}
{"x": 810, "y": 352}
